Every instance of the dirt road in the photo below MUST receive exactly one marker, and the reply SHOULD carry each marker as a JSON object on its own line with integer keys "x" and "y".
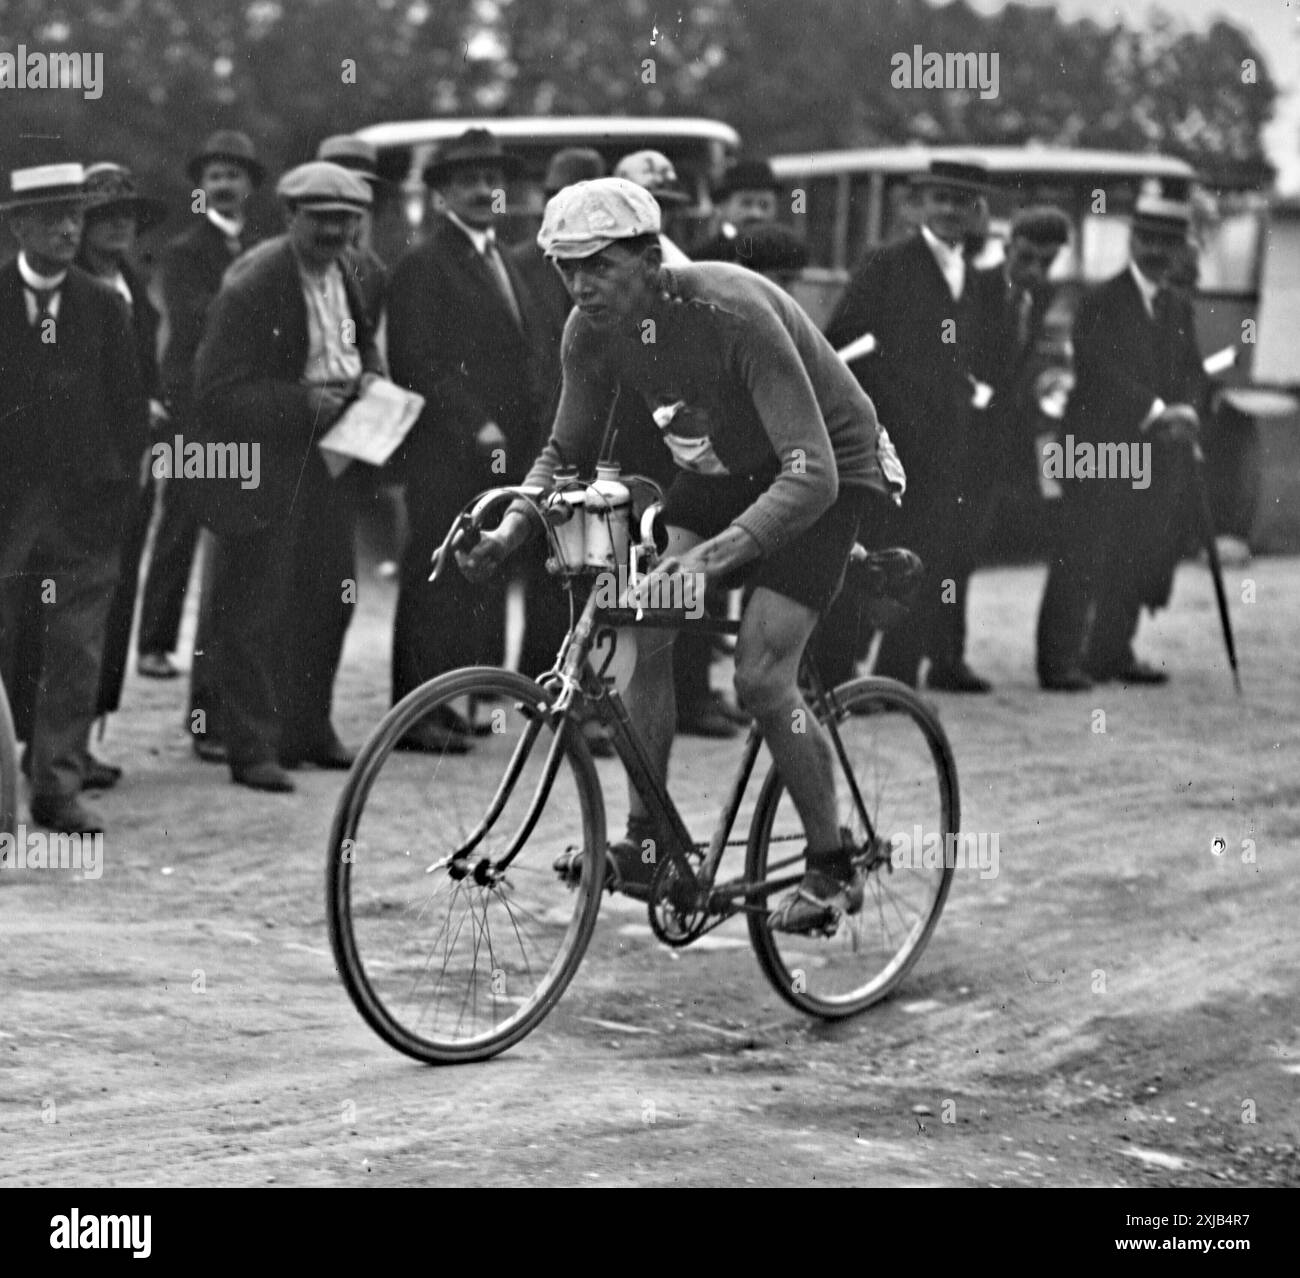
{"x": 1119, "y": 1006}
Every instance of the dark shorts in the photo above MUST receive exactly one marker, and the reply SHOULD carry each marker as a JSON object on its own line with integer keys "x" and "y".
{"x": 809, "y": 569}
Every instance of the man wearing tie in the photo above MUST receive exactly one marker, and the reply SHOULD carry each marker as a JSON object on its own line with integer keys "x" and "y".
{"x": 224, "y": 171}
{"x": 74, "y": 422}
{"x": 1139, "y": 383}
{"x": 915, "y": 299}
{"x": 463, "y": 331}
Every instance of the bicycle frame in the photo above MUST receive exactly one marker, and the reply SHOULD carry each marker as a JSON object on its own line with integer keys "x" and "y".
{"x": 576, "y": 677}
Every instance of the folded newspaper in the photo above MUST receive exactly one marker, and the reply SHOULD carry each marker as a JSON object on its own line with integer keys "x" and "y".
{"x": 371, "y": 427}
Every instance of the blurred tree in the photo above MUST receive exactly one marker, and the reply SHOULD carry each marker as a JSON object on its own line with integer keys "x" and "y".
{"x": 789, "y": 76}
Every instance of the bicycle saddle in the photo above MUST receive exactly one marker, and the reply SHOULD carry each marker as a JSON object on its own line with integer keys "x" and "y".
{"x": 889, "y": 579}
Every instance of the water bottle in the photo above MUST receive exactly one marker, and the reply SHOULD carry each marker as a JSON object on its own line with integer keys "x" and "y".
{"x": 569, "y": 503}
{"x": 609, "y": 513}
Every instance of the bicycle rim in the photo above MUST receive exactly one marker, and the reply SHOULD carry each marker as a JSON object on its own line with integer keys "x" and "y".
{"x": 445, "y": 964}
{"x": 907, "y": 782}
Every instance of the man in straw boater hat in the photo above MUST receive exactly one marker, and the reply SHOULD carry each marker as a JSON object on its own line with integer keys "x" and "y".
{"x": 225, "y": 170}
{"x": 465, "y": 333}
{"x": 776, "y": 448}
{"x": 916, "y": 299}
{"x": 1139, "y": 386}
{"x": 287, "y": 346}
{"x": 74, "y": 422}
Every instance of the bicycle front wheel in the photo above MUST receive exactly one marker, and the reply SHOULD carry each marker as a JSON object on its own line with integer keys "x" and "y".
{"x": 452, "y": 931}
{"x": 894, "y": 776}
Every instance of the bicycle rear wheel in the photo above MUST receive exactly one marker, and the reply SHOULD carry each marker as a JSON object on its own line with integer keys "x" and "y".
{"x": 901, "y": 777}
{"x": 451, "y": 930}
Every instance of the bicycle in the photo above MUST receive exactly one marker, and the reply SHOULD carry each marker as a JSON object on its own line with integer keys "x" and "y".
{"x": 452, "y": 930}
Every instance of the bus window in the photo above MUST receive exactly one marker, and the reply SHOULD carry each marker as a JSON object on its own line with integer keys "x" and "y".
{"x": 1104, "y": 247}
{"x": 1230, "y": 252}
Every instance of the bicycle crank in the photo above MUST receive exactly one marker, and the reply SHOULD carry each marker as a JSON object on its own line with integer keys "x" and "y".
{"x": 677, "y": 907}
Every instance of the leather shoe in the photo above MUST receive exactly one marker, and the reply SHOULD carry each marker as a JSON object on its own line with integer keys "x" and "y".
{"x": 332, "y": 755}
{"x": 156, "y": 665}
{"x": 210, "y": 749}
{"x": 705, "y": 719}
{"x": 100, "y": 775}
{"x": 958, "y": 678}
{"x": 1069, "y": 680}
{"x": 262, "y": 776}
{"x": 66, "y": 816}
{"x": 1141, "y": 672}
{"x": 428, "y": 737}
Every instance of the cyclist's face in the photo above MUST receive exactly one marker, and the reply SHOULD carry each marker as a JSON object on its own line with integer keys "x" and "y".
{"x": 612, "y": 287}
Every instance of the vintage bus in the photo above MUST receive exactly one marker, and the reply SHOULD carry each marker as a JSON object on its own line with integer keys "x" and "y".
{"x": 847, "y": 202}
{"x": 700, "y": 151}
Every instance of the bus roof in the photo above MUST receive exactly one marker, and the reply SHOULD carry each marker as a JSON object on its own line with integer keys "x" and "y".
{"x": 1001, "y": 160}
{"x": 556, "y": 130}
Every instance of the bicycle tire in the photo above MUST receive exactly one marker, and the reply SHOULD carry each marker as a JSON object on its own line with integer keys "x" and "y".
{"x": 799, "y": 967}
{"x": 379, "y": 949}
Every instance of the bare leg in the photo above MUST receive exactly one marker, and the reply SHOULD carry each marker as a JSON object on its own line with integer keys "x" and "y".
{"x": 651, "y": 702}
{"x": 773, "y": 633}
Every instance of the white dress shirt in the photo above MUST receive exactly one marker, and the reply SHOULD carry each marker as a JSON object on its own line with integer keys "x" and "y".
{"x": 42, "y": 283}
{"x": 951, "y": 259}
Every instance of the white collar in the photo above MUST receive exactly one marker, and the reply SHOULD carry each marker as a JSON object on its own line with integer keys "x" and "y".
{"x": 945, "y": 252}
{"x": 40, "y": 282}
{"x": 228, "y": 226}
{"x": 1146, "y": 286}
{"x": 479, "y": 237}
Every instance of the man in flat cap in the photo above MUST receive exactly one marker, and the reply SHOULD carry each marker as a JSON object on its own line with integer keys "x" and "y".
{"x": 464, "y": 332}
{"x": 367, "y": 268}
{"x": 777, "y": 466}
{"x": 1139, "y": 386}
{"x": 74, "y": 422}
{"x": 224, "y": 171}
{"x": 287, "y": 346}
{"x": 915, "y": 298}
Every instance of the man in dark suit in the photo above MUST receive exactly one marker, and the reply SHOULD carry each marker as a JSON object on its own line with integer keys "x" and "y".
{"x": 915, "y": 298}
{"x": 1138, "y": 384}
{"x": 287, "y": 345}
{"x": 225, "y": 172}
{"x": 114, "y": 215}
{"x": 74, "y": 423}
{"x": 463, "y": 332}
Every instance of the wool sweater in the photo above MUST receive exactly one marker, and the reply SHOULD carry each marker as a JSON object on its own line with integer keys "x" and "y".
{"x": 739, "y": 381}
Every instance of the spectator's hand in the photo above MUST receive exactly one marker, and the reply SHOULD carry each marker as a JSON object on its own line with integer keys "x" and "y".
{"x": 326, "y": 404}
{"x": 489, "y": 436}
{"x": 158, "y": 415}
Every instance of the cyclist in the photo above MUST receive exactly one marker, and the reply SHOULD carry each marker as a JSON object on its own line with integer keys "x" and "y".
{"x": 780, "y": 470}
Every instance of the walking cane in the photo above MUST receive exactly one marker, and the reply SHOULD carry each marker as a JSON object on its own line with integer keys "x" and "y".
{"x": 1206, "y": 521}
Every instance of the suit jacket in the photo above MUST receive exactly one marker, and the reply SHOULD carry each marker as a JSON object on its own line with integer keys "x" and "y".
{"x": 452, "y": 339}
{"x": 1005, "y": 432}
{"x": 918, "y": 381}
{"x": 1124, "y": 359}
{"x": 144, "y": 328}
{"x": 247, "y": 388}
{"x": 190, "y": 272}
{"x": 73, "y": 412}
